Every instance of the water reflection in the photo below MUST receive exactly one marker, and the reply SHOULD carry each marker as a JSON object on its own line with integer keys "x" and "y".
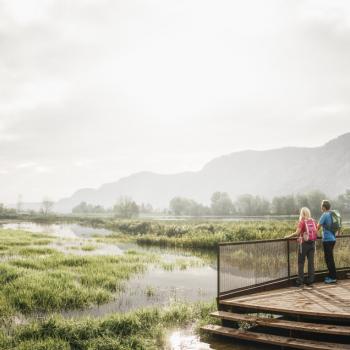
{"x": 186, "y": 339}
{"x": 61, "y": 230}
{"x": 158, "y": 287}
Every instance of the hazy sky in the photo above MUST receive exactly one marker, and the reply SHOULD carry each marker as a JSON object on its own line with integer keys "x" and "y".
{"x": 93, "y": 90}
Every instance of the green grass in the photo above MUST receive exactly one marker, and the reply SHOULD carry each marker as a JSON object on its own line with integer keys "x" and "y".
{"x": 88, "y": 247}
{"x": 181, "y": 264}
{"x": 38, "y": 279}
{"x": 194, "y": 235}
{"x": 199, "y": 235}
{"x": 142, "y": 329}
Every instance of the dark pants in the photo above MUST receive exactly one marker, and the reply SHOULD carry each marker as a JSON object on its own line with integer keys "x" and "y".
{"x": 307, "y": 249}
{"x": 328, "y": 256}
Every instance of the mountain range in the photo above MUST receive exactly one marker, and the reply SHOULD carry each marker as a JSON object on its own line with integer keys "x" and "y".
{"x": 266, "y": 173}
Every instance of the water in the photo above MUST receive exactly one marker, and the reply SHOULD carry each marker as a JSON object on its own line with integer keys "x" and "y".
{"x": 60, "y": 230}
{"x": 186, "y": 339}
{"x": 156, "y": 287}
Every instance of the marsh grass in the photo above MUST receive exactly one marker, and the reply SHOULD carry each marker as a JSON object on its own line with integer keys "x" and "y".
{"x": 194, "y": 235}
{"x": 198, "y": 235}
{"x": 88, "y": 247}
{"x": 181, "y": 264}
{"x": 139, "y": 330}
{"x": 150, "y": 291}
{"x": 40, "y": 279}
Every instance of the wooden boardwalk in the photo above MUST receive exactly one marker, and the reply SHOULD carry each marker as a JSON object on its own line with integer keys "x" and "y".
{"x": 329, "y": 301}
{"x": 302, "y": 318}
{"x": 256, "y": 302}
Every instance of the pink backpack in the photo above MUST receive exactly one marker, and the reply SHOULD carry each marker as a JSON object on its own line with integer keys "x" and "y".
{"x": 310, "y": 233}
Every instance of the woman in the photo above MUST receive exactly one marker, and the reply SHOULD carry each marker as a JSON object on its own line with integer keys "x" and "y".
{"x": 307, "y": 235}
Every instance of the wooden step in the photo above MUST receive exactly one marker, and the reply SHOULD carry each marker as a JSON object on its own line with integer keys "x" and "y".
{"x": 279, "y": 323}
{"x": 274, "y": 339}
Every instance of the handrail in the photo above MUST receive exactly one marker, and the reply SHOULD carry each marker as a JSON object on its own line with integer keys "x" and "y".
{"x": 249, "y": 265}
{"x": 270, "y": 240}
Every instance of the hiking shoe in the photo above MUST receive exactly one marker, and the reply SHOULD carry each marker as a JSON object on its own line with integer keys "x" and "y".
{"x": 330, "y": 280}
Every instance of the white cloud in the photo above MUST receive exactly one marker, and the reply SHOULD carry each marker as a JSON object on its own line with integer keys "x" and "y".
{"x": 329, "y": 110}
{"x": 335, "y": 13}
{"x": 26, "y": 165}
{"x": 26, "y": 12}
{"x": 43, "y": 169}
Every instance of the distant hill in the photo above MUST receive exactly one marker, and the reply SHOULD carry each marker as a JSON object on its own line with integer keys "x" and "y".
{"x": 266, "y": 173}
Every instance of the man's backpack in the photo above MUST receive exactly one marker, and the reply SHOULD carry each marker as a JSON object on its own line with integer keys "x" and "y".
{"x": 310, "y": 233}
{"x": 336, "y": 224}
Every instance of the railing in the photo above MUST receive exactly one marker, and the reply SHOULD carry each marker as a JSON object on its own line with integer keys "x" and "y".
{"x": 252, "y": 265}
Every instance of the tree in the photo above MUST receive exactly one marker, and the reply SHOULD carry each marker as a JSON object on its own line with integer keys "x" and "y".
{"x": 19, "y": 205}
{"x": 221, "y": 204}
{"x": 126, "y": 208}
{"x": 301, "y": 200}
{"x": 284, "y": 205}
{"x": 249, "y": 205}
{"x": 185, "y": 206}
{"x": 178, "y": 205}
{"x": 146, "y": 208}
{"x": 343, "y": 202}
{"x": 314, "y": 199}
{"x": 46, "y": 206}
{"x": 84, "y": 208}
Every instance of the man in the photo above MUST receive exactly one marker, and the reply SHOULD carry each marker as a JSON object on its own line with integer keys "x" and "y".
{"x": 328, "y": 240}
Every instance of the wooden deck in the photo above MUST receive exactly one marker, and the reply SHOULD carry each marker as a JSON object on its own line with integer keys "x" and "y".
{"x": 328, "y": 301}
{"x": 302, "y": 318}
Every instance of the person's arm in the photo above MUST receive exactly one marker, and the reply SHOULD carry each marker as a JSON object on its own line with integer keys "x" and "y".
{"x": 321, "y": 222}
{"x": 294, "y": 234}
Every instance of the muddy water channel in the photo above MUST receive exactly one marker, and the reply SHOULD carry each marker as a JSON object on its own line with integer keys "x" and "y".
{"x": 194, "y": 279}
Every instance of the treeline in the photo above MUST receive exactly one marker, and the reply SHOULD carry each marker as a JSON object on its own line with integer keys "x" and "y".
{"x": 248, "y": 205}
{"x": 221, "y": 204}
{"x": 7, "y": 213}
{"x": 125, "y": 207}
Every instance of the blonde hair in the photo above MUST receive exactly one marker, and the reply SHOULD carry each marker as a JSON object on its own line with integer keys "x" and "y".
{"x": 305, "y": 213}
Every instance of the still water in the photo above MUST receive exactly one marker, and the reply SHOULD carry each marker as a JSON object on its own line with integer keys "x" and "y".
{"x": 156, "y": 286}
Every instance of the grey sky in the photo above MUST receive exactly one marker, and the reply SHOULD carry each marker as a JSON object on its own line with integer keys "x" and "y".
{"x": 92, "y": 90}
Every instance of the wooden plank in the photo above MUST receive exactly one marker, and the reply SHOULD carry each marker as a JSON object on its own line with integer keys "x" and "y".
{"x": 290, "y": 311}
{"x": 285, "y": 324}
{"x": 329, "y": 301}
{"x": 274, "y": 339}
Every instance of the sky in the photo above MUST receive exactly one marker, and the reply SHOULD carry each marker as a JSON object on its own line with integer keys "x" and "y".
{"x": 94, "y": 90}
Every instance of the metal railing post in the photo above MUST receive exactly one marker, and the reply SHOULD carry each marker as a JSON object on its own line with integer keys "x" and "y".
{"x": 218, "y": 272}
{"x": 288, "y": 253}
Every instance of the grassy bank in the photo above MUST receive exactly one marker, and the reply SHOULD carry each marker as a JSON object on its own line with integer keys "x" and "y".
{"x": 199, "y": 235}
{"x": 203, "y": 235}
{"x": 139, "y": 330}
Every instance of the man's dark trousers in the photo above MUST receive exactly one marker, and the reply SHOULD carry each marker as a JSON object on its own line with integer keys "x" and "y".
{"x": 328, "y": 255}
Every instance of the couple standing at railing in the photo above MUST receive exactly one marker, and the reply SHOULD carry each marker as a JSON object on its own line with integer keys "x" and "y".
{"x": 306, "y": 234}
